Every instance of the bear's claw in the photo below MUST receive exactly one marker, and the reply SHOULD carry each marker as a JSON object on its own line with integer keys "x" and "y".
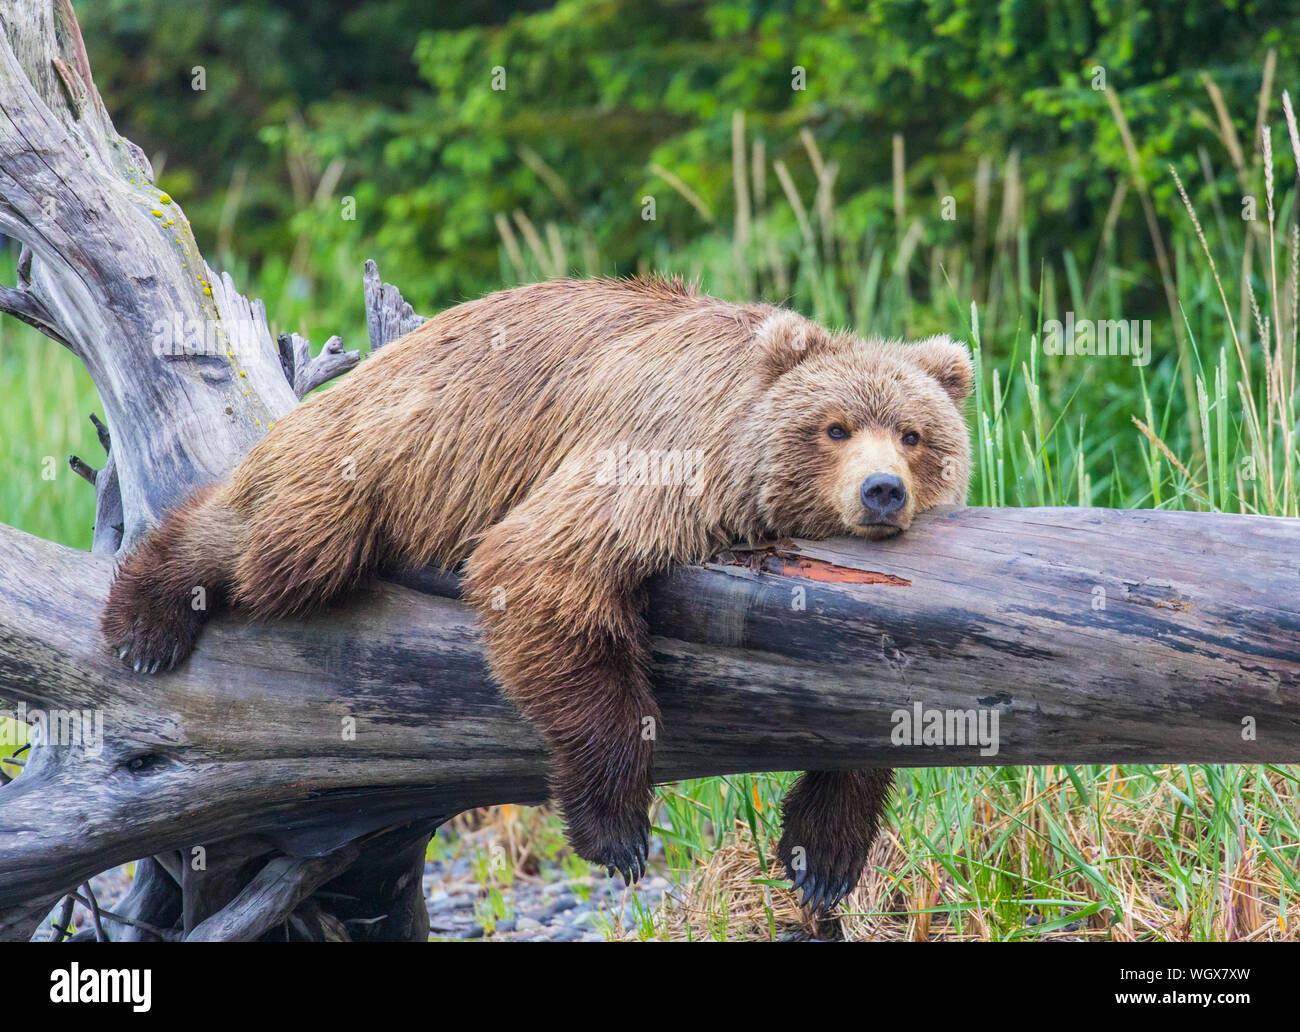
{"x": 147, "y": 649}
{"x": 825, "y": 877}
{"x": 628, "y": 859}
{"x": 821, "y": 893}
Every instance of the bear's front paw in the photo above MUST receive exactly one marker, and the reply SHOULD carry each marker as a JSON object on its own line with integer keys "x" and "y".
{"x": 820, "y": 868}
{"x": 617, "y": 842}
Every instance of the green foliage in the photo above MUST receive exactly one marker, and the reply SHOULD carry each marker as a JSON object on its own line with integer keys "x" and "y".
{"x": 392, "y": 103}
{"x": 224, "y": 148}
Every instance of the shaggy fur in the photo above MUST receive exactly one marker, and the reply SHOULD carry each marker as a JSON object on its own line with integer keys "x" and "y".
{"x": 485, "y": 435}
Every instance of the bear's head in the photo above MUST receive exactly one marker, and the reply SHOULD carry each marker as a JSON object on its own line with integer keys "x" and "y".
{"x": 858, "y": 436}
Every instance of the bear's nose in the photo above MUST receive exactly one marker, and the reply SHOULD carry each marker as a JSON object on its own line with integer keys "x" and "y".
{"x": 883, "y": 494}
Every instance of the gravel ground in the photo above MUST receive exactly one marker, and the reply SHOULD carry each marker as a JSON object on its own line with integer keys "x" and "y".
{"x": 109, "y": 888}
{"x": 550, "y": 907}
{"x": 561, "y": 910}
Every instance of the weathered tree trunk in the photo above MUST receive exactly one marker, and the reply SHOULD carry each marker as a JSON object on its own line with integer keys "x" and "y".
{"x": 116, "y": 275}
{"x": 1094, "y": 635}
{"x": 284, "y": 782}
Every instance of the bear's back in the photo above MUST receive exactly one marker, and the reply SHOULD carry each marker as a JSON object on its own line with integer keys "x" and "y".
{"x": 451, "y": 426}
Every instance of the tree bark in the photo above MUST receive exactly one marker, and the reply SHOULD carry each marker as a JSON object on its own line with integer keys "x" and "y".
{"x": 117, "y": 277}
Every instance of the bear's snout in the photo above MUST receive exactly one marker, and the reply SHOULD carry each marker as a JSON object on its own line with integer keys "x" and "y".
{"x": 883, "y": 496}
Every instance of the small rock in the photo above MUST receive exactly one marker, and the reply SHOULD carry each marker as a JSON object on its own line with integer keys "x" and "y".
{"x": 559, "y": 906}
{"x": 584, "y": 919}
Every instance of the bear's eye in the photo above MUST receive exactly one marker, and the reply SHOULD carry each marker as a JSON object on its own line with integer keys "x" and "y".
{"x": 911, "y": 438}
{"x": 836, "y": 432}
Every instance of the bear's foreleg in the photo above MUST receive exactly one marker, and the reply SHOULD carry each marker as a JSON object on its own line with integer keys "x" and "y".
{"x": 564, "y": 617}
{"x": 830, "y": 819}
{"x": 586, "y": 688}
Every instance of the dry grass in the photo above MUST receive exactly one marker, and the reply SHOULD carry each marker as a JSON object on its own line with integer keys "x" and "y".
{"x": 1131, "y": 861}
{"x": 726, "y": 900}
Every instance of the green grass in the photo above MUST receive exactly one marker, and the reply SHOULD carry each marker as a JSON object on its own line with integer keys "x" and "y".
{"x": 46, "y": 397}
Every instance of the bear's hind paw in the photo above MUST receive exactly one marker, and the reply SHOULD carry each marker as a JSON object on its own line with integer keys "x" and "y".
{"x": 150, "y": 646}
{"x": 628, "y": 860}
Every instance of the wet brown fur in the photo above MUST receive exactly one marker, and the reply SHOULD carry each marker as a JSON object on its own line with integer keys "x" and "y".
{"x": 480, "y": 437}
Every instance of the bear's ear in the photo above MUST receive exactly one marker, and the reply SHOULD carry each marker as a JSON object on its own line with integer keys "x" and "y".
{"x": 947, "y": 361}
{"x": 786, "y": 338}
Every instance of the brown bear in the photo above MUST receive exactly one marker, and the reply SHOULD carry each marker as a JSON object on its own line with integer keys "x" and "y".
{"x": 500, "y": 433}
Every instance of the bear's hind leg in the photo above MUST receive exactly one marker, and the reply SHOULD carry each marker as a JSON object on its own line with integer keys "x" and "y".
{"x": 830, "y": 819}
{"x": 166, "y": 589}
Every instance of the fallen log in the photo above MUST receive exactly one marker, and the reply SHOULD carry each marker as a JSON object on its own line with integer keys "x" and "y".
{"x": 1094, "y": 636}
